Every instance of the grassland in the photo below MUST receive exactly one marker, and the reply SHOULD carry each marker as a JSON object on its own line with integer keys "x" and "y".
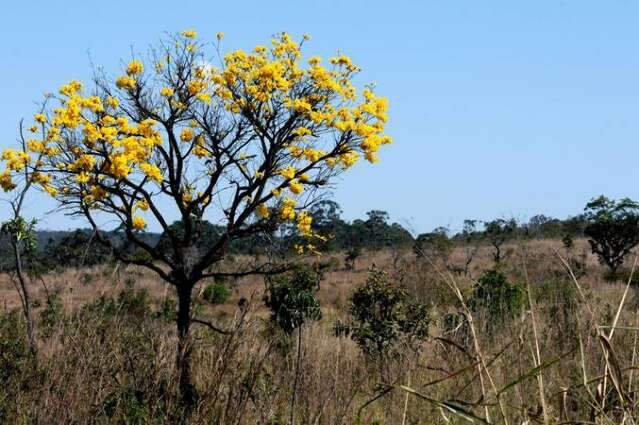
{"x": 107, "y": 349}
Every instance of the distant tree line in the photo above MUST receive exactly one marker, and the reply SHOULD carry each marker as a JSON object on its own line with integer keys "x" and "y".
{"x": 374, "y": 232}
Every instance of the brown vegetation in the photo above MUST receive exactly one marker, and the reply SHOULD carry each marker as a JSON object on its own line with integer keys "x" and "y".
{"x": 558, "y": 361}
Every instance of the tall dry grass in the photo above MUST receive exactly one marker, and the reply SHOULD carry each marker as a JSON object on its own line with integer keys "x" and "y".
{"x": 107, "y": 350}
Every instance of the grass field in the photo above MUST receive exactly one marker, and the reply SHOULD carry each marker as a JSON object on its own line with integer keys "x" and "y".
{"x": 107, "y": 349}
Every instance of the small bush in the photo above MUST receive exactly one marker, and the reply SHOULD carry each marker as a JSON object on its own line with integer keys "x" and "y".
{"x": 497, "y": 298}
{"x": 167, "y": 311}
{"x": 352, "y": 254}
{"x": 128, "y": 302}
{"x": 15, "y": 360}
{"x": 51, "y": 315}
{"x": 216, "y": 293}
{"x": 384, "y": 315}
{"x": 292, "y": 301}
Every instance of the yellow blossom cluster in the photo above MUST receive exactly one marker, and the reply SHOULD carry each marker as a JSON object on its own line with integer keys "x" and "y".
{"x": 306, "y": 114}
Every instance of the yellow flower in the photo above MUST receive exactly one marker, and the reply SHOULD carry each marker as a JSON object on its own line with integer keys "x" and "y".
{"x": 73, "y": 87}
{"x": 187, "y": 134}
{"x": 40, "y": 118}
{"x": 302, "y": 131}
{"x": 112, "y": 102}
{"x": 288, "y": 209}
{"x": 138, "y": 223}
{"x": 195, "y": 86}
{"x": 50, "y": 190}
{"x": 203, "y": 97}
{"x": 304, "y": 221}
{"x": 313, "y": 155}
{"x": 16, "y": 160}
{"x": 142, "y": 204}
{"x": 166, "y": 91}
{"x": 189, "y": 34}
{"x": 262, "y": 211}
{"x": 83, "y": 177}
{"x": 125, "y": 82}
{"x": 6, "y": 182}
{"x": 296, "y": 187}
{"x": 349, "y": 159}
{"x": 119, "y": 166}
{"x": 288, "y": 172}
{"x": 315, "y": 60}
{"x": 134, "y": 67}
{"x": 35, "y": 146}
{"x": 152, "y": 171}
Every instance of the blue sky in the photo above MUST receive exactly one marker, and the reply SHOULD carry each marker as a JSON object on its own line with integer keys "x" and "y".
{"x": 498, "y": 108}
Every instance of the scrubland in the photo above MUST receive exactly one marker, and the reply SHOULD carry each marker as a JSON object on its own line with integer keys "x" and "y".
{"x": 106, "y": 348}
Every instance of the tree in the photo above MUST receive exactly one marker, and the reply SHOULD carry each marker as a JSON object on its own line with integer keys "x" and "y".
{"x": 471, "y": 244}
{"x": 612, "y": 228}
{"x": 251, "y": 143}
{"x": 292, "y": 302}
{"x": 435, "y": 244}
{"x": 499, "y": 231}
{"x": 327, "y": 221}
{"x": 75, "y": 249}
{"x": 22, "y": 239}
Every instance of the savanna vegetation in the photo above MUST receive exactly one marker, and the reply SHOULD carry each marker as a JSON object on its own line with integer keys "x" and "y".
{"x": 255, "y": 301}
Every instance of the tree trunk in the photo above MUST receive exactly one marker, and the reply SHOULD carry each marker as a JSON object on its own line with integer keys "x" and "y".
{"x": 26, "y": 297}
{"x": 297, "y": 374}
{"x": 187, "y": 390}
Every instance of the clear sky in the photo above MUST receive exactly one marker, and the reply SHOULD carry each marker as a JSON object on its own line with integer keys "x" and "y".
{"x": 498, "y": 108}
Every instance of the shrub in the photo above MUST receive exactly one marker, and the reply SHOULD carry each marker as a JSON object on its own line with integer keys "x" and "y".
{"x": 567, "y": 241}
{"x": 384, "y": 315}
{"x": 51, "y": 315}
{"x": 494, "y": 296}
{"x": 15, "y": 359}
{"x": 129, "y": 301}
{"x": 558, "y": 297}
{"x": 435, "y": 244}
{"x": 352, "y": 254}
{"x": 168, "y": 309}
{"x": 291, "y": 299}
{"x": 216, "y": 293}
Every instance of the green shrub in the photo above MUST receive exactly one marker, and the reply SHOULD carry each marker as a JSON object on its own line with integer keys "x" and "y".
{"x": 216, "y": 293}
{"x": 384, "y": 314}
{"x": 167, "y": 311}
{"x": 291, "y": 299}
{"x": 558, "y": 298}
{"x": 352, "y": 254}
{"x": 15, "y": 362}
{"x": 126, "y": 405}
{"x": 128, "y": 302}
{"x": 496, "y": 298}
{"x": 51, "y": 315}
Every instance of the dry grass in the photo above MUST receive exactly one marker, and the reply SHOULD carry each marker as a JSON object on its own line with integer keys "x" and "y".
{"x": 558, "y": 362}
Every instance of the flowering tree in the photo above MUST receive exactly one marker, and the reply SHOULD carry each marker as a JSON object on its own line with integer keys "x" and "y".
{"x": 251, "y": 140}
